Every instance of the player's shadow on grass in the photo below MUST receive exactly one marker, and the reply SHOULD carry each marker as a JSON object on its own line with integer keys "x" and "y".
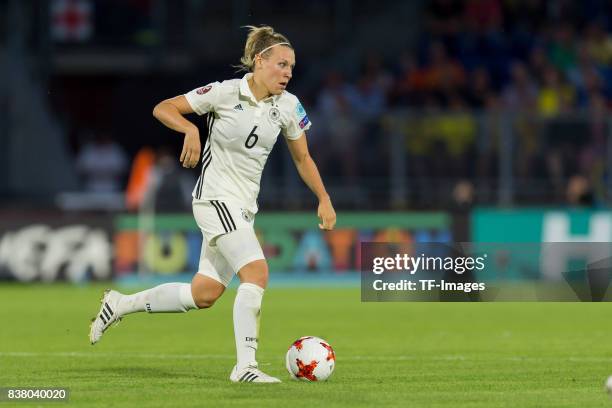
{"x": 133, "y": 372}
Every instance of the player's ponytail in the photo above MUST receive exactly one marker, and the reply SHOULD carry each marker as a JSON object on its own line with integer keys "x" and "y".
{"x": 259, "y": 41}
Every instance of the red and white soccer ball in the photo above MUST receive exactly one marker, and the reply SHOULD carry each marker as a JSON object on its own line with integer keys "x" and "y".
{"x": 310, "y": 359}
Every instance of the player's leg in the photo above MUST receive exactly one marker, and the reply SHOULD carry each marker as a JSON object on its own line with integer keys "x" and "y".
{"x": 242, "y": 250}
{"x": 172, "y": 297}
{"x": 169, "y": 297}
{"x": 206, "y": 287}
{"x": 247, "y": 310}
{"x": 205, "y": 290}
{"x": 214, "y": 274}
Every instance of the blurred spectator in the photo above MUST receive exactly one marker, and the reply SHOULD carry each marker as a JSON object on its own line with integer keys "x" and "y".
{"x": 342, "y": 145}
{"x": 598, "y": 117}
{"x": 336, "y": 140}
{"x": 555, "y": 95}
{"x": 457, "y": 130}
{"x": 484, "y": 15}
{"x": 482, "y": 42}
{"x": 579, "y": 192}
{"x": 444, "y": 17}
{"x": 462, "y": 201}
{"x": 410, "y": 83}
{"x": 479, "y": 91}
{"x": 139, "y": 179}
{"x": 521, "y": 93}
{"x": 443, "y": 73}
{"x": 598, "y": 43}
{"x": 524, "y": 16}
{"x": 593, "y": 155}
{"x": 421, "y": 129}
{"x": 586, "y": 77}
{"x": 538, "y": 63}
{"x": 102, "y": 163}
{"x": 366, "y": 99}
{"x": 463, "y": 196}
{"x": 332, "y": 98}
{"x": 562, "y": 50}
{"x": 170, "y": 186}
{"x": 375, "y": 69}
{"x": 520, "y": 97}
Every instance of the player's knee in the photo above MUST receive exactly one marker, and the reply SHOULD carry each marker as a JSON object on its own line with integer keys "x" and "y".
{"x": 204, "y": 303}
{"x": 255, "y": 272}
{"x": 205, "y": 300}
{"x": 205, "y": 291}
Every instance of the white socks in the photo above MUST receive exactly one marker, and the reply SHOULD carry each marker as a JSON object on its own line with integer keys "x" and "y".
{"x": 247, "y": 308}
{"x": 169, "y": 297}
{"x": 176, "y": 297}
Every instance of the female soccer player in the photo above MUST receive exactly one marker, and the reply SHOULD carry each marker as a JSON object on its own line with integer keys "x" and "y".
{"x": 245, "y": 117}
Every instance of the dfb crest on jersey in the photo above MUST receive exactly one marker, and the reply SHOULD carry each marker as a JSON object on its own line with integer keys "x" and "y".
{"x": 274, "y": 114}
{"x": 246, "y": 215}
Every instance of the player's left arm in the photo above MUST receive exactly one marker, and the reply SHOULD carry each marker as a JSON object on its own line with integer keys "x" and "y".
{"x": 308, "y": 171}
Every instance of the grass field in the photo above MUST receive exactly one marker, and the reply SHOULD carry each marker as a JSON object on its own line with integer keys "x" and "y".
{"x": 388, "y": 354}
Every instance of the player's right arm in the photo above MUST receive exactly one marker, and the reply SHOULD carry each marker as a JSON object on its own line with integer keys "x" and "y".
{"x": 170, "y": 112}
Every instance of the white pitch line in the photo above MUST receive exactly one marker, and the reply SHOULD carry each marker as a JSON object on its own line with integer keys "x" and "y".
{"x": 106, "y": 355}
{"x": 159, "y": 356}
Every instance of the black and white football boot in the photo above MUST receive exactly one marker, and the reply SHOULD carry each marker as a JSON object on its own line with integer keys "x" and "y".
{"x": 251, "y": 374}
{"x": 107, "y": 315}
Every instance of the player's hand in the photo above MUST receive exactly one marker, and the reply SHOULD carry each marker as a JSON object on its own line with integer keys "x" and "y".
{"x": 190, "y": 156}
{"x": 327, "y": 214}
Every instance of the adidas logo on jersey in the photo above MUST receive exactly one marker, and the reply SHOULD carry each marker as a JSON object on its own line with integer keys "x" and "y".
{"x": 238, "y": 107}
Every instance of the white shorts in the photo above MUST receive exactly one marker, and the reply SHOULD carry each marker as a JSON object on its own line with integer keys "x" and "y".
{"x": 229, "y": 239}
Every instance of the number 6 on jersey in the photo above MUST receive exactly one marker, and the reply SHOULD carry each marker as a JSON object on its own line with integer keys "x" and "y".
{"x": 251, "y": 139}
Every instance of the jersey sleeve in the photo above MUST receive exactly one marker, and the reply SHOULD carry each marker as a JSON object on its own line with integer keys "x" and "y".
{"x": 297, "y": 121}
{"x": 204, "y": 99}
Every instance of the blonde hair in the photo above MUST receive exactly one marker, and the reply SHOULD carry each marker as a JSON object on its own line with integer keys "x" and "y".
{"x": 260, "y": 39}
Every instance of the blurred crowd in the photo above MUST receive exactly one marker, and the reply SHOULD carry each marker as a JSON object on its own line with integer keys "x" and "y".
{"x": 545, "y": 65}
{"x": 522, "y": 55}
{"x": 516, "y": 54}
{"x": 492, "y": 89}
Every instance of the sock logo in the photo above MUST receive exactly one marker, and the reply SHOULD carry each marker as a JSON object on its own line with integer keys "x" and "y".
{"x": 254, "y": 339}
{"x": 148, "y": 307}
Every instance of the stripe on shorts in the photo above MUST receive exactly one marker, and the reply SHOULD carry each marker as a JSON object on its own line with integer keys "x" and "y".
{"x": 224, "y": 207}
{"x": 206, "y": 159}
{"x": 221, "y": 217}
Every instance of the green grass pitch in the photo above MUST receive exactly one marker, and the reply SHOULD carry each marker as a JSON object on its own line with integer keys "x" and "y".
{"x": 388, "y": 354}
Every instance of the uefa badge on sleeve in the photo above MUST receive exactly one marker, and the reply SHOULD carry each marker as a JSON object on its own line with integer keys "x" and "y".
{"x": 299, "y": 110}
{"x": 204, "y": 90}
{"x": 304, "y": 122}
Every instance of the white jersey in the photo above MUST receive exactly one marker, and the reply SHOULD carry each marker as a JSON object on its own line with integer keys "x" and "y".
{"x": 242, "y": 133}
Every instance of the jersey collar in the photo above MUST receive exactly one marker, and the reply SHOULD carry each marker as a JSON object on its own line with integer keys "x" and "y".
{"x": 245, "y": 90}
